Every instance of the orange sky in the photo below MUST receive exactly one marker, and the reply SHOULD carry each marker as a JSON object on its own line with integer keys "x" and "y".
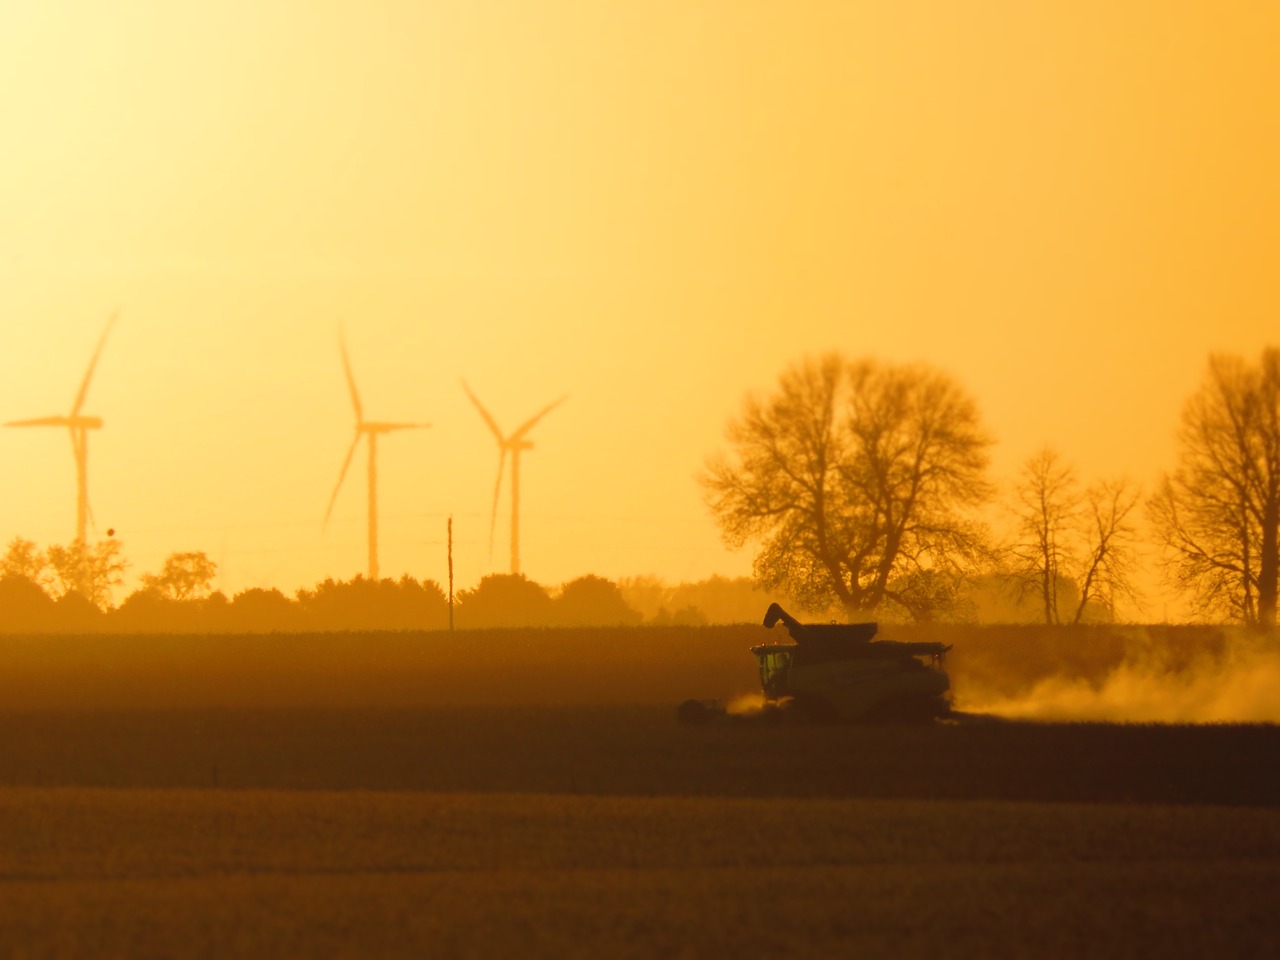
{"x": 651, "y": 206}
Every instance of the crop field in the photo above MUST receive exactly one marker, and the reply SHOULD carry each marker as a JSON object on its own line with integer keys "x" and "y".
{"x": 194, "y": 800}
{"x": 591, "y": 666}
{"x": 611, "y": 831}
{"x": 269, "y": 873}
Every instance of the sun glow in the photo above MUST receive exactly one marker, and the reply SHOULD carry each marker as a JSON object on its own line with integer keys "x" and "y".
{"x": 654, "y": 208}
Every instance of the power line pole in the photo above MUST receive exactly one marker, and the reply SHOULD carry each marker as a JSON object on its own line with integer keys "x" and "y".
{"x": 451, "y": 574}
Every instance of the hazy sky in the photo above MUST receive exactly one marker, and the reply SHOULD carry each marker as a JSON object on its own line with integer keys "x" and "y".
{"x": 653, "y": 207}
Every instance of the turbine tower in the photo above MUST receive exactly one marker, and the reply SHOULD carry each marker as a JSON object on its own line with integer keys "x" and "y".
{"x": 515, "y": 444}
{"x": 369, "y": 430}
{"x": 79, "y": 425}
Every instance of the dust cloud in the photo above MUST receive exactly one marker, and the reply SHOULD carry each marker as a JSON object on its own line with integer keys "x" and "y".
{"x": 745, "y": 705}
{"x": 1241, "y": 685}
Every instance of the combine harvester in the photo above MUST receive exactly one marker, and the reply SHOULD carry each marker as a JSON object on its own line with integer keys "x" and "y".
{"x": 835, "y": 672}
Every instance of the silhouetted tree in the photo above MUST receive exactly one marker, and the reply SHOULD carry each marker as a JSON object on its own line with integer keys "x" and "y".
{"x": 416, "y": 604}
{"x": 24, "y": 607}
{"x": 215, "y": 613}
{"x": 647, "y": 594}
{"x": 185, "y": 576}
{"x": 149, "y": 611}
{"x": 998, "y": 596}
{"x": 258, "y": 610}
{"x": 851, "y": 476}
{"x": 76, "y": 613}
{"x": 713, "y": 600}
{"x": 1065, "y": 537}
{"x": 722, "y": 599}
{"x": 593, "y": 601}
{"x": 24, "y": 559}
{"x": 92, "y": 572}
{"x": 1218, "y": 513}
{"x": 504, "y": 600}
{"x": 717, "y": 599}
{"x": 683, "y": 617}
{"x": 933, "y": 596}
{"x": 362, "y": 604}
{"x": 1110, "y": 547}
{"x": 1047, "y": 502}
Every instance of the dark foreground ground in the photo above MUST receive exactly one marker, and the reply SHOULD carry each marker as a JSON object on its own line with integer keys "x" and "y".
{"x": 640, "y": 751}
{"x": 614, "y": 832}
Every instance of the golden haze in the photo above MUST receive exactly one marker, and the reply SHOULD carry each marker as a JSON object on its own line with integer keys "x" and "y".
{"x": 651, "y": 207}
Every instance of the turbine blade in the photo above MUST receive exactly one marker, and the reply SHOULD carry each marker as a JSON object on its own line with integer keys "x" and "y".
{"x": 497, "y": 489}
{"x": 351, "y": 380}
{"x": 88, "y": 374}
{"x": 493, "y": 424}
{"x": 41, "y": 422}
{"x": 342, "y": 475}
{"x": 382, "y": 426}
{"x": 525, "y": 427}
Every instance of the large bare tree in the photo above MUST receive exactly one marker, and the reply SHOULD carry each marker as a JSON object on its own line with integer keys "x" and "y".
{"x": 1218, "y": 512}
{"x": 852, "y": 477}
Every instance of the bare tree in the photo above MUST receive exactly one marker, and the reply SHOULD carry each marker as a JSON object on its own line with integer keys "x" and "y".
{"x": 852, "y": 477}
{"x": 91, "y": 572}
{"x": 1071, "y": 549}
{"x": 185, "y": 576}
{"x": 1218, "y": 512}
{"x": 1047, "y": 501}
{"x": 1110, "y": 546}
{"x": 24, "y": 559}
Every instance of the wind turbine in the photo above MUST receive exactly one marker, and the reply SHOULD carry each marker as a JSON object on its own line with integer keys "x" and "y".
{"x": 515, "y": 444}
{"x": 79, "y": 425}
{"x": 370, "y": 430}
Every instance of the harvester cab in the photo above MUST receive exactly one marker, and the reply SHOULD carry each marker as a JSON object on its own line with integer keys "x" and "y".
{"x": 836, "y": 671}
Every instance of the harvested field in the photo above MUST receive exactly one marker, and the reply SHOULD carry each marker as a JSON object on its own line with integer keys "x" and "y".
{"x": 614, "y": 832}
{"x": 639, "y": 751}
{"x": 252, "y": 873}
{"x": 410, "y": 795}
{"x": 1167, "y": 673}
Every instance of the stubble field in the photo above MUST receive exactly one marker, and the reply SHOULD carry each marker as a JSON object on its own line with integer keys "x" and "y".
{"x": 270, "y": 873}
{"x": 213, "y": 822}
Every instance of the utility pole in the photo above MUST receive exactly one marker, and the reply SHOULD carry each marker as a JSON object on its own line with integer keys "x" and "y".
{"x": 451, "y": 574}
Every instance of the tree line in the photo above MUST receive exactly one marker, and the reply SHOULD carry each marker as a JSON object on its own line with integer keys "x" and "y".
{"x": 70, "y": 589}
{"x": 861, "y": 485}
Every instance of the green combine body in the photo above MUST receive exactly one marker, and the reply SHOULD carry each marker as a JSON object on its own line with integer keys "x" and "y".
{"x": 837, "y": 672}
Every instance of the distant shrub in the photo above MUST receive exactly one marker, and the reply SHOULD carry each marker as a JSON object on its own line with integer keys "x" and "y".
{"x": 593, "y": 601}
{"x": 24, "y": 606}
{"x": 148, "y": 611}
{"x": 360, "y": 604}
{"x": 76, "y": 613}
{"x": 262, "y": 611}
{"x": 505, "y": 600}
